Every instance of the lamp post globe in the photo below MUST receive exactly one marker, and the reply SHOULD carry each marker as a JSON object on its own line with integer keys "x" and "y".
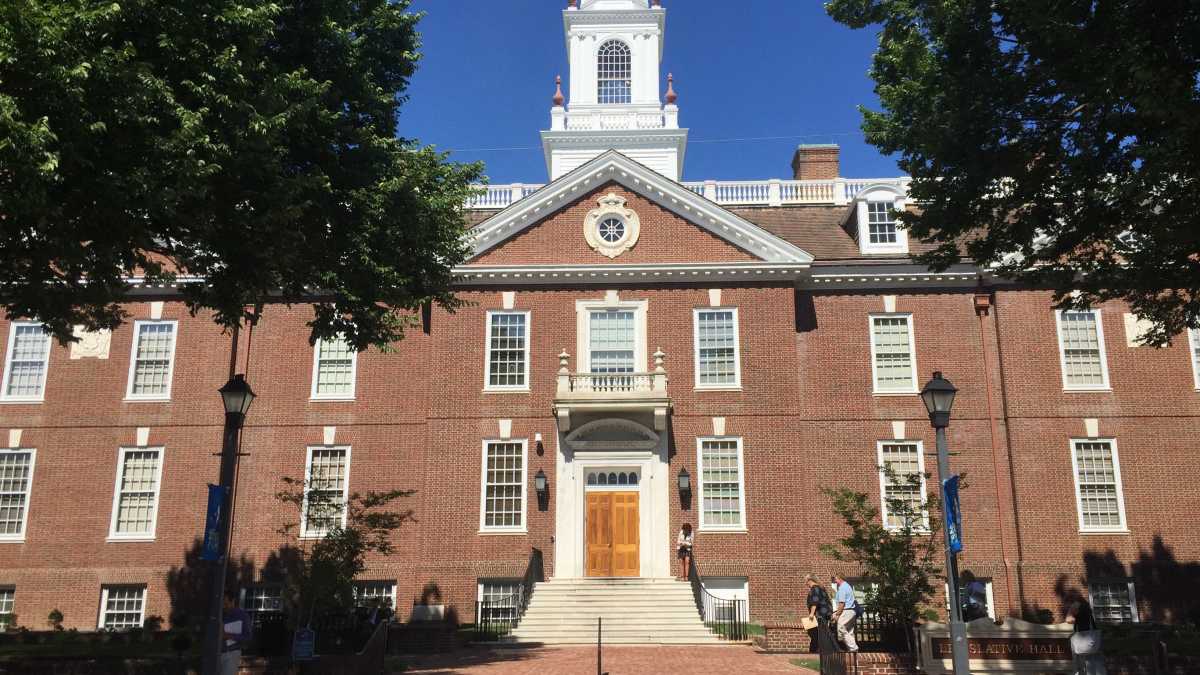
{"x": 938, "y": 396}
{"x": 237, "y": 396}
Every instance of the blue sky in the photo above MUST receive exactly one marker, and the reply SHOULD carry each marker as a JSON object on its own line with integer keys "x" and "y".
{"x": 743, "y": 70}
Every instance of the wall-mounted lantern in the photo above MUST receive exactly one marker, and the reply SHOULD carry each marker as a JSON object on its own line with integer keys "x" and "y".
{"x": 540, "y": 484}
{"x": 685, "y": 482}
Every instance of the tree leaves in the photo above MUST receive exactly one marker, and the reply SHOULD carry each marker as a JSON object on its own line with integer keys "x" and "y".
{"x": 1054, "y": 144}
{"x": 249, "y": 144}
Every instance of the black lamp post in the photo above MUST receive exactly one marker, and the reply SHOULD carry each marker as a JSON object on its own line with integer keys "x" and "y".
{"x": 539, "y": 484}
{"x": 685, "y": 482}
{"x": 938, "y": 396}
{"x": 236, "y": 396}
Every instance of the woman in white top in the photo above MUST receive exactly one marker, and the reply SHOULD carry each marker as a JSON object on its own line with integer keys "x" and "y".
{"x": 685, "y": 549}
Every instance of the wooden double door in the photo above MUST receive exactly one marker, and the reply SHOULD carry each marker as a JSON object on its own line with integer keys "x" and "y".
{"x": 612, "y": 535}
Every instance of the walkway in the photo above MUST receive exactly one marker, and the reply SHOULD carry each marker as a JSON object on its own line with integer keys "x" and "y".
{"x": 618, "y": 660}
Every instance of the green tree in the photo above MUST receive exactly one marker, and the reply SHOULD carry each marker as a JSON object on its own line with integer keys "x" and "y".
{"x": 898, "y": 562}
{"x": 321, "y": 573}
{"x": 1057, "y": 143}
{"x": 247, "y": 149}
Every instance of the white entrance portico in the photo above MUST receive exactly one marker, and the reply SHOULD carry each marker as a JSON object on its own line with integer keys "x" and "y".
{"x": 612, "y": 445}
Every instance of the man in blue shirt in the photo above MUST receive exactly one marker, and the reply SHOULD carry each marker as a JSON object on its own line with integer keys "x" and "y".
{"x": 845, "y": 612}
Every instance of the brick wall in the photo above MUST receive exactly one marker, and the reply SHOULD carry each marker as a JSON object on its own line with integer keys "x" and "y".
{"x": 805, "y": 412}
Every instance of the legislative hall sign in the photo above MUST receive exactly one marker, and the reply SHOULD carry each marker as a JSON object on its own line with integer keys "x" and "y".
{"x": 1013, "y": 647}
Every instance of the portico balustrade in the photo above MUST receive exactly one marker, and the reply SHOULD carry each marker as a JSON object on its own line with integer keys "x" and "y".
{"x": 612, "y": 391}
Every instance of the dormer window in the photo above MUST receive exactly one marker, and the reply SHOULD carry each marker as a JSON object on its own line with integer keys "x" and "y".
{"x": 881, "y": 223}
{"x": 613, "y": 72}
{"x": 879, "y": 230}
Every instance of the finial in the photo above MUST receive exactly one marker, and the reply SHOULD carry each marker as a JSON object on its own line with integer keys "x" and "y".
{"x": 558, "y": 95}
{"x": 671, "y": 95}
{"x": 656, "y": 3}
{"x": 571, "y": 4}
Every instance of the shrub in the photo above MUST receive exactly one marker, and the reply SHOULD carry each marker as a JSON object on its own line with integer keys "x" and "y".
{"x": 55, "y": 619}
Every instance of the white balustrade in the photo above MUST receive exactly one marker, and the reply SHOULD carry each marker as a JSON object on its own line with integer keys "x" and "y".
{"x": 772, "y": 192}
{"x": 611, "y": 383}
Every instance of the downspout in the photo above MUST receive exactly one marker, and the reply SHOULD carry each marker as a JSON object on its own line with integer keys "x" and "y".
{"x": 983, "y": 304}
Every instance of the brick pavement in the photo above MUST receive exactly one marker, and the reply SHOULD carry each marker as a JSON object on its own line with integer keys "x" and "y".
{"x": 618, "y": 660}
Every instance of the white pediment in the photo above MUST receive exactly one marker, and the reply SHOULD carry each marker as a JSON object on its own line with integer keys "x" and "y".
{"x": 612, "y": 166}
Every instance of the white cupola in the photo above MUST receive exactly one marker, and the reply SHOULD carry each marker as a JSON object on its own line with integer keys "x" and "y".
{"x": 614, "y": 48}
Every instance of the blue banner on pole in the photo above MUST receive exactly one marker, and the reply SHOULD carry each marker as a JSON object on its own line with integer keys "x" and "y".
{"x": 953, "y": 514}
{"x": 212, "y": 523}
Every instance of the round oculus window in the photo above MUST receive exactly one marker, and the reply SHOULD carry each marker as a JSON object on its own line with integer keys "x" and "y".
{"x": 611, "y": 230}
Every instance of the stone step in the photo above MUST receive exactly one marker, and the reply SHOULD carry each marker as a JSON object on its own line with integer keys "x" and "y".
{"x": 582, "y": 620}
{"x": 649, "y": 640}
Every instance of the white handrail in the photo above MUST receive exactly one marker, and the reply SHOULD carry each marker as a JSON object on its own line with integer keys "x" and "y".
{"x": 773, "y": 192}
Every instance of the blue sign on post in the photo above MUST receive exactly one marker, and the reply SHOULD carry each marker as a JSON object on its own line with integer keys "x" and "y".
{"x": 953, "y": 515}
{"x": 304, "y": 643}
{"x": 212, "y": 523}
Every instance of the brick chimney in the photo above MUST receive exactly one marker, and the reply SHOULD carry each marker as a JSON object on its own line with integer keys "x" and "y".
{"x": 816, "y": 162}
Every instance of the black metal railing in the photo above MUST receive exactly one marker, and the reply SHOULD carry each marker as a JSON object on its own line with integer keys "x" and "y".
{"x": 725, "y": 618}
{"x": 835, "y": 660}
{"x": 878, "y": 631}
{"x": 497, "y": 617}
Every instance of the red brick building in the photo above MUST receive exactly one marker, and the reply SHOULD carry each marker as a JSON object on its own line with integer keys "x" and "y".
{"x": 767, "y": 338}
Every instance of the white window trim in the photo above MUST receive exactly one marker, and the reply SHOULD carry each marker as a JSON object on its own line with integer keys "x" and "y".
{"x": 504, "y": 529}
{"x": 739, "y": 527}
{"x": 736, "y": 385}
{"x": 137, "y": 327}
{"x": 1123, "y": 528}
{"x": 20, "y": 538}
{"x": 583, "y": 315}
{"x": 487, "y": 352}
{"x": 990, "y": 599}
{"x": 883, "y": 510}
{"x": 864, "y": 224}
{"x": 242, "y": 595}
{"x": 104, "y": 589}
{"x": 308, "y": 456}
{"x": 8, "y": 359}
{"x": 362, "y": 582}
{"x": 1193, "y": 345}
{"x": 316, "y": 363}
{"x": 912, "y": 353}
{"x": 1062, "y": 353}
{"x": 1133, "y": 607}
{"x": 113, "y": 535}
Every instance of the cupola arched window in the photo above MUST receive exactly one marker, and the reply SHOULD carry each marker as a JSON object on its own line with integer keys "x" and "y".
{"x": 613, "y": 72}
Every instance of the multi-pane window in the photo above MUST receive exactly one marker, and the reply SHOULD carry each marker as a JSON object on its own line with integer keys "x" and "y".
{"x": 611, "y": 341}
{"x": 1098, "y": 485}
{"x": 122, "y": 607}
{"x": 152, "y": 360}
{"x": 326, "y": 486}
{"x": 614, "y": 65}
{"x": 135, "y": 502}
{"x": 902, "y": 485}
{"x": 375, "y": 594}
{"x": 334, "y": 364}
{"x": 263, "y": 598}
{"x": 1113, "y": 602}
{"x": 1081, "y": 341}
{"x": 1194, "y": 348}
{"x": 508, "y": 350}
{"x": 892, "y": 360}
{"x": 16, "y": 478}
{"x": 8, "y": 596}
{"x": 881, "y": 224}
{"x": 503, "y": 485}
{"x": 499, "y": 599}
{"x": 717, "y": 348}
{"x": 25, "y": 363}
{"x": 721, "y": 485}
